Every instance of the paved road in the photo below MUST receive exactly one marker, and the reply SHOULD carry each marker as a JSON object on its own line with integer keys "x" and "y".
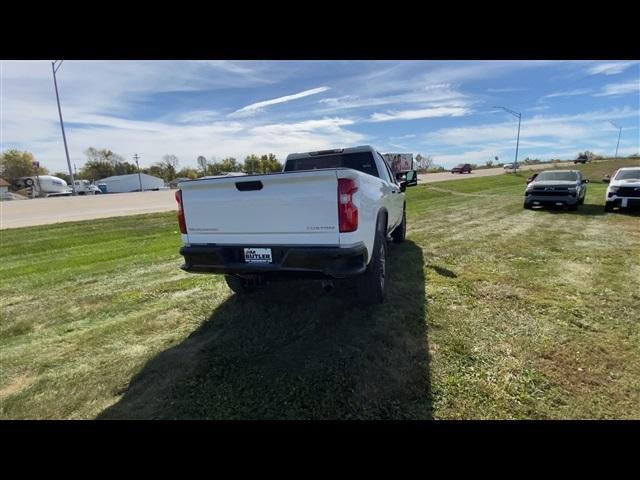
{"x": 44, "y": 211}
{"x": 439, "y": 177}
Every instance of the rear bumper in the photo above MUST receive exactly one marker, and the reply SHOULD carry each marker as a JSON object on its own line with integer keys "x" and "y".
{"x": 334, "y": 262}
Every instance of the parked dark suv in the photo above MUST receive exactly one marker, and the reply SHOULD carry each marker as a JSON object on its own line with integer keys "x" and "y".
{"x": 556, "y": 188}
{"x": 462, "y": 168}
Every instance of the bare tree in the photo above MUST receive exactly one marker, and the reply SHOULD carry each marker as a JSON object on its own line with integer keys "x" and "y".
{"x": 202, "y": 163}
{"x": 170, "y": 161}
{"x": 424, "y": 162}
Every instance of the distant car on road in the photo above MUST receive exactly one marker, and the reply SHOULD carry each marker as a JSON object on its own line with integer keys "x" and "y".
{"x": 623, "y": 190}
{"x": 511, "y": 166}
{"x": 556, "y": 188}
{"x": 582, "y": 158}
{"x": 462, "y": 168}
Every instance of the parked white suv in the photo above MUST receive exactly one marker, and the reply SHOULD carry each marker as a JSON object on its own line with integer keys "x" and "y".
{"x": 326, "y": 216}
{"x": 623, "y": 190}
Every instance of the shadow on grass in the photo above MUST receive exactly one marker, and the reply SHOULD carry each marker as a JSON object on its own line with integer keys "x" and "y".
{"x": 291, "y": 351}
{"x": 630, "y": 211}
{"x": 443, "y": 271}
{"x": 586, "y": 209}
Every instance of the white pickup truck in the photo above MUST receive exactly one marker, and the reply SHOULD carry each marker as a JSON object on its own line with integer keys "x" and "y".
{"x": 328, "y": 215}
{"x": 623, "y": 190}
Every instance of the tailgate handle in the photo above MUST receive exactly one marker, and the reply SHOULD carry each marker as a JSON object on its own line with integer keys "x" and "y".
{"x": 247, "y": 186}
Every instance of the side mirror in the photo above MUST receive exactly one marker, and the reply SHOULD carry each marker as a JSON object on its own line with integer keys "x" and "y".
{"x": 411, "y": 178}
{"x": 585, "y": 180}
{"x": 403, "y": 186}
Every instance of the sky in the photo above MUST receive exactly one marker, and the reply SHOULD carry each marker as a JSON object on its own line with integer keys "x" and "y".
{"x": 443, "y": 109}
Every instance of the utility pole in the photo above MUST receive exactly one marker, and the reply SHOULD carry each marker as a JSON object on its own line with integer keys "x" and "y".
{"x": 136, "y": 157}
{"x": 519, "y": 115}
{"x": 619, "y": 135}
{"x": 55, "y": 68}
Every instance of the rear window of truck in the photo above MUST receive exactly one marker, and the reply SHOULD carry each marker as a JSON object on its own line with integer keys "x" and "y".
{"x": 361, "y": 161}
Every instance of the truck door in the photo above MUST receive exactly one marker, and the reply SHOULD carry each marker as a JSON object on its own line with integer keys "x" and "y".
{"x": 394, "y": 200}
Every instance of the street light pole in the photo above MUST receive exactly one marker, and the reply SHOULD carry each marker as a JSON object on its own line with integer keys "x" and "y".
{"x": 619, "y": 135}
{"x": 136, "y": 157}
{"x": 519, "y": 115}
{"x": 64, "y": 137}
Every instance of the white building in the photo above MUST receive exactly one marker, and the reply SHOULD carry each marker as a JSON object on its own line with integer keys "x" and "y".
{"x": 131, "y": 183}
{"x": 4, "y": 186}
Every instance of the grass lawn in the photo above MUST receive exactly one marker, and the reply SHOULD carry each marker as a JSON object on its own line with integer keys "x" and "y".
{"x": 492, "y": 311}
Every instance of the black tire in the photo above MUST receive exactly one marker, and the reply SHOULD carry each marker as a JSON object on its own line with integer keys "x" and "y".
{"x": 400, "y": 233}
{"x": 528, "y": 206}
{"x": 238, "y": 285}
{"x": 29, "y": 182}
{"x": 581, "y": 201}
{"x": 371, "y": 284}
{"x": 608, "y": 207}
{"x": 573, "y": 208}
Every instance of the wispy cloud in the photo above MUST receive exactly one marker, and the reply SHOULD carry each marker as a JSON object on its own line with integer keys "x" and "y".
{"x": 426, "y": 95}
{"x": 258, "y": 106}
{"x": 569, "y": 93}
{"x": 197, "y": 116}
{"x": 504, "y": 90}
{"x": 422, "y": 113}
{"x": 609, "y": 68}
{"x": 619, "y": 88}
{"x": 403, "y": 137}
{"x": 539, "y": 108}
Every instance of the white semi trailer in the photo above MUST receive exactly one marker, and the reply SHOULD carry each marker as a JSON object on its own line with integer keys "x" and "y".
{"x": 50, "y": 186}
{"x": 400, "y": 163}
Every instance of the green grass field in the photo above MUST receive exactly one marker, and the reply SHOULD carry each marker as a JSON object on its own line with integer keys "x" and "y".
{"x": 492, "y": 311}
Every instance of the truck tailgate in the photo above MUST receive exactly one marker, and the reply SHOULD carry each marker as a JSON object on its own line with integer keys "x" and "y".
{"x": 297, "y": 208}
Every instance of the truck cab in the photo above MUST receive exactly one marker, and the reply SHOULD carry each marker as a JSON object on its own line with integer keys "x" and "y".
{"x": 85, "y": 187}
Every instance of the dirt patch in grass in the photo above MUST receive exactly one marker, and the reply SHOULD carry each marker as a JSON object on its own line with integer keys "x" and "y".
{"x": 16, "y": 384}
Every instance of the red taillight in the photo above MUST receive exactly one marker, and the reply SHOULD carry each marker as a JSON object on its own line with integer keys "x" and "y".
{"x": 347, "y": 211}
{"x": 181, "y": 222}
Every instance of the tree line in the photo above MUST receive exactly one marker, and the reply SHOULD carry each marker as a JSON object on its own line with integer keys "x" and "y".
{"x": 103, "y": 163}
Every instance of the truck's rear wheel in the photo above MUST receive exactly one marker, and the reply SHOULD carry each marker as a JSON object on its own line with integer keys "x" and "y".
{"x": 239, "y": 285}
{"x": 400, "y": 233}
{"x": 371, "y": 284}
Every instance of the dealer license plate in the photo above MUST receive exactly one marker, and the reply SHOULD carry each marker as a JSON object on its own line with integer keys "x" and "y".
{"x": 257, "y": 255}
